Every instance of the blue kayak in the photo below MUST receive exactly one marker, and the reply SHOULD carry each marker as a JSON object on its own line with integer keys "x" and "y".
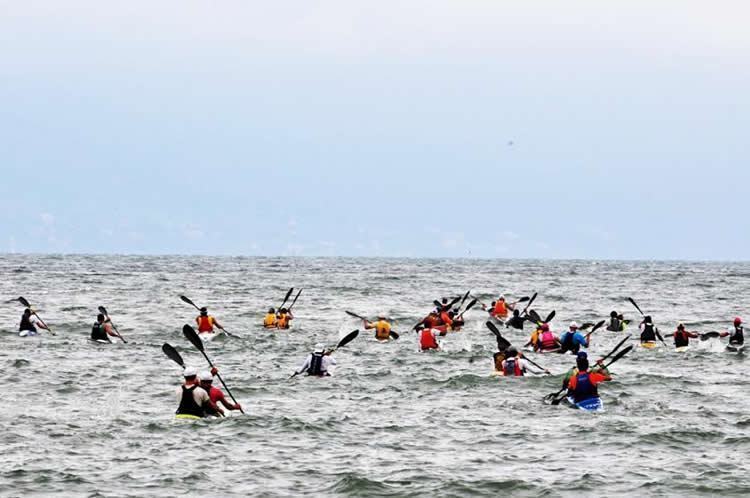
{"x": 587, "y": 405}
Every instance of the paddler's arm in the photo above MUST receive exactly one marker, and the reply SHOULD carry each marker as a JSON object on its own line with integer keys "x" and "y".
{"x": 304, "y": 366}
{"x": 368, "y": 325}
{"x": 693, "y": 334}
{"x": 218, "y": 325}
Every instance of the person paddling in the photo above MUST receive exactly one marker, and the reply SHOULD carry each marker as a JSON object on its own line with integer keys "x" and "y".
{"x": 318, "y": 363}
{"x": 649, "y": 332}
{"x": 215, "y": 394}
{"x": 514, "y": 364}
{"x": 193, "y": 401}
{"x": 284, "y": 318}
{"x": 102, "y": 329}
{"x": 516, "y": 321}
{"x": 428, "y": 339}
{"x": 382, "y": 327}
{"x": 29, "y": 323}
{"x": 737, "y": 334}
{"x": 547, "y": 341}
{"x": 616, "y": 323}
{"x": 269, "y": 321}
{"x": 598, "y": 367}
{"x": 583, "y": 385}
{"x": 573, "y": 340}
{"x": 682, "y": 337}
{"x": 206, "y": 322}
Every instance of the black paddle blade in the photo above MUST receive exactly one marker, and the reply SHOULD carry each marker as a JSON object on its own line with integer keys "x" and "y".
{"x": 598, "y": 326}
{"x": 172, "y": 354}
{"x": 535, "y": 316}
{"x": 355, "y": 315}
{"x": 533, "y": 296}
{"x": 585, "y": 326}
{"x": 502, "y": 342}
{"x": 394, "y": 335}
{"x": 286, "y": 298}
{"x": 709, "y": 335}
{"x": 187, "y": 300}
{"x": 192, "y": 336}
{"x": 23, "y": 301}
{"x": 620, "y": 355}
{"x": 346, "y": 340}
{"x": 550, "y": 316}
{"x": 437, "y": 303}
{"x": 295, "y": 299}
{"x": 454, "y": 301}
{"x": 103, "y": 311}
{"x": 466, "y": 296}
{"x": 524, "y": 299}
{"x": 632, "y": 301}
{"x": 469, "y": 306}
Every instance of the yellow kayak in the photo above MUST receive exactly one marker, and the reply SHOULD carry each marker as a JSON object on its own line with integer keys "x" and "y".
{"x": 649, "y": 344}
{"x": 186, "y": 416}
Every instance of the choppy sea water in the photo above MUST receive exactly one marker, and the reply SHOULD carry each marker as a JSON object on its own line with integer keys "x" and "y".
{"x": 85, "y": 419}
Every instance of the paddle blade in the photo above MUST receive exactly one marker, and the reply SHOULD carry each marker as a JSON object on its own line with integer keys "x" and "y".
{"x": 187, "y": 300}
{"x": 620, "y": 355}
{"x": 103, "y": 311}
{"x": 709, "y": 335}
{"x": 466, "y": 296}
{"x": 535, "y": 316}
{"x": 454, "y": 301}
{"x": 502, "y": 342}
{"x": 550, "y": 316}
{"x": 286, "y": 298}
{"x": 346, "y": 340}
{"x": 469, "y": 306}
{"x": 533, "y": 296}
{"x": 295, "y": 299}
{"x": 23, "y": 301}
{"x": 632, "y": 301}
{"x": 523, "y": 299}
{"x": 598, "y": 326}
{"x": 172, "y": 354}
{"x": 354, "y": 315}
{"x": 394, "y": 335}
{"x": 192, "y": 336}
{"x": 437, "y": 303}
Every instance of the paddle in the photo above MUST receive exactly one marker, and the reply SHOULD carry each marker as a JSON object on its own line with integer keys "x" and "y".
{"x": 534, "y": 363}
{"x": 393, "y": 334}
{"x": 709, "y": 335}
{"x": 502, "y": 342}
{"x": 617, "y": 357}
{"x": 535, "y": 316}
{"x": 619, "y": 345}
{"x": 286, "y": 298}
{"x": 103, "y": 311}
{"x": 26, "y": 304}
{"x": 192, "y": 336}
{"x": 191, "y": 303}
{"x": 346, "y": 340}
{"x": 466, "y": 296}
{"x": 295, "y": 300}
{"x": 172, "y": 354}
{"x": 533, "y": 296}
{"x": 585, "y": 326}
{"x": 658, "y": 335}
{"x": 468, "y": 307}
{"x": 596, "y": 327}
{"x": 550, "y": 316}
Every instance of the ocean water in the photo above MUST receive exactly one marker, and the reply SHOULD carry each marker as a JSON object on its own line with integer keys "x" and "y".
{"x": 84, "y": 419}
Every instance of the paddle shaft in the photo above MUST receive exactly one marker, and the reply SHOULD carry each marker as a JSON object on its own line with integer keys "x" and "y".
{"x": 221, "y": 380}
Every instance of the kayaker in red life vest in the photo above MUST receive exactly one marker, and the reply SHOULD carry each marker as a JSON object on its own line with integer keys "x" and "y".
{"x": 428, "y": 339}
{"x": 583, "y": 385}
{"x": 206, "y": 322}
{"x": 682, "y": 337}
{"x": 514, "y": 365}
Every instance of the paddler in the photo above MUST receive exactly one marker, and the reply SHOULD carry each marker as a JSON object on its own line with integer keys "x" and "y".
{"x": 29, "y": 323}
{"x": 284, "y": 318}
{"x": 269, "y": 321}
{"x": 682, "y": 337}
{"x": 382, "y": 327}
{"x": 616, "y": 323}
{"x": 458, "y": 321}
{"x": 514, "y": 364}
{"x": 599, "y": 367}
{"x": 206, "y": 322}
{"x": 318, "y": 363}
{"x": 547, "y": 340}
{"x": 573, "y": 340}
{"x": 736, "y": 334}
{"x": 428, "y": 339}
{"x": 534, "y": 339}
{"x": 215, "y": 394}
{"x": 499, "y": 308}
{"x": 193, "y": 401}
{"x": 649, "y": 332}
{"x": 583, "y": 385}
{"x": 102, "y": 329}
{"x": 516, "y": 321}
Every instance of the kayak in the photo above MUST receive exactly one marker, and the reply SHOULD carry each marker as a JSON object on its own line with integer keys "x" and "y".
{"x": 735, "y": 348}
{"x": 186, "y": 416}
{"x": 209, "y": 336}
{"x": 650, "y": 344}
{"x": 27, "y": 333}
{"x": 101, "y": 341}
{"x": 682, "y": 349}
{"x": 587, "y": 405}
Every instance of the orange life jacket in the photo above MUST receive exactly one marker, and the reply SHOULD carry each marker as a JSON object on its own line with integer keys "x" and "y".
{"x": 501, "y": 309}
{"x": 427, "y": 340}
{"x": 447, "y": 320}
{"x": 282, "y": 321}
{"x": 205, "y": 323}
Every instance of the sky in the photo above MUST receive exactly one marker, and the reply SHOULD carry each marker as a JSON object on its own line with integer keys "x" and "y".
{"x": 494, "y": 129}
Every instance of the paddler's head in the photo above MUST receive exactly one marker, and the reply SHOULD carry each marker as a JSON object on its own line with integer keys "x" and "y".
{"x": 582, "y": 364}
{"x": 737, "y": 322}
{"x": 545, "y": 327}
{"x": 100, "y": 318}
{"x": 511, "y": 352}
{"x": 501, "y": 298}
{"x": 445, "y": 300}
{"x": 516, "y": 313}
{"x": 27, "y": 312}
{"x": 680, "y": 326}
{"x": 271, "y": 310}
{"x": 190, "y": 375}
{"x": 206, "y": 379}
{"x": 613, "y": 314}
{"x": 647, "y": 320}
{"x": 319, "y": 348}
{"x": 573, "y": 326}
{"x": 381, "y": 316}
{"x": 204, "y": 311}
{"x": 283, "y": 311}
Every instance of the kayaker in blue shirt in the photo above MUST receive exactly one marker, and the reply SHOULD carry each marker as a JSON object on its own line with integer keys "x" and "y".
{"x": 573, "y": 340}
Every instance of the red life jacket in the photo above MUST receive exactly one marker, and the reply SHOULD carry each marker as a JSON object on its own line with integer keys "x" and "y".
{"x": 427, "y": 340}
{"x": 547, "y": 341}
{"x": 205, "y": 324}
{"x": 512, "y": 367}
{"x": 501, "y": 309}
{"x": 447, "y": 320}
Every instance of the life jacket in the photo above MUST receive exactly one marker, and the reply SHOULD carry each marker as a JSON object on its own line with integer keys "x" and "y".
{"x": 512, "y": 368}
{"x": 382, "y": 330}
{"x": 584, "y": 388}
{"x": 430, "y": 321}
{"x": 26, "y": 324}
{"x": 316, "y": 365}
{"x": 427, "y": 340}
{"x": 738, "y": 337}
{"x": 568, "y": 344}
{"x": 681, "y": 339}
{"x": 615, "y": 325}
{"x": 649, "y": 333}
{"x": 548, "y": 341}
{"x": 188, "y": 406}
{"x": 205, "y": 323}
{"x": 269, "y": 321}
{"x": 98, "y": 333}
{"x": 282, "y": 321}
{"x": 445, "y": 318}
{"x": 500, "y": 309}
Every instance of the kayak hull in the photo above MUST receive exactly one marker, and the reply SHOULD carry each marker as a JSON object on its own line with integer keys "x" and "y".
{"x": 735, "y": 348}
{"x": 209, "y": 336}
{"x": 682, "y": 349}
{"x": 587, "y": 405}
{"x": 649, "y": 345}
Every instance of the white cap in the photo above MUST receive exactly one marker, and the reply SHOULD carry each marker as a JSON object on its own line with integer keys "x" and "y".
{"x": 573, "y": 324}
{"x": 189, "y": 372}
{"x": 383, "y": 316}
{"x": 205, "y": 375}
{"x": 502, "y": 296}
{"x": 319, "y": 348}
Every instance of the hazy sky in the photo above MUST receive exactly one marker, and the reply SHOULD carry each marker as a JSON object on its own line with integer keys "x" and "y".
{"x": 561, "y": 129}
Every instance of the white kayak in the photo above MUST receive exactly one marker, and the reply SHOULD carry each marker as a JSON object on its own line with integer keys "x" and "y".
{"x": 682, "y": 349}
{"x": 736, "y": 348}
{"x": 28, "y": 333}
{"x": 209, "y": 336}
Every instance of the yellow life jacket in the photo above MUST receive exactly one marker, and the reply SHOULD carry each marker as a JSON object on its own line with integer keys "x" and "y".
{"x": 269, "y": 321}
{"x": 382, "y": 330}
